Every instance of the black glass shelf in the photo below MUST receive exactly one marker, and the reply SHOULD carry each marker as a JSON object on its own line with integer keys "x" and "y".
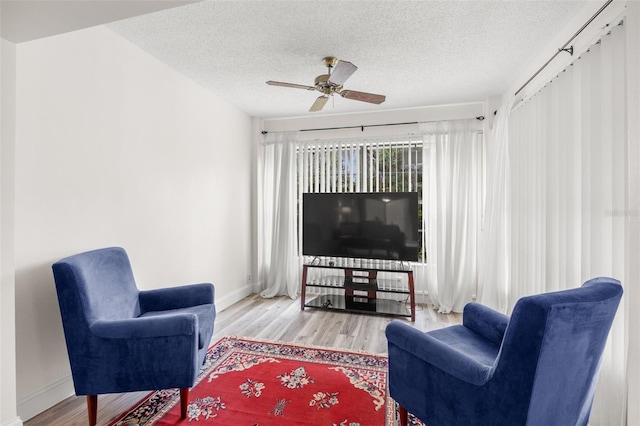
{"x": 359, "y": 305}
{"x": 357, "y": 288}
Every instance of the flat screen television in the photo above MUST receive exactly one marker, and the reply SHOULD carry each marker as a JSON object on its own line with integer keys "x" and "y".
{"x": 372, "y": 225}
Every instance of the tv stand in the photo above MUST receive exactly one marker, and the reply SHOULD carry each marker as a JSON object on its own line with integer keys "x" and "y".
{"x": 358, "y": 287}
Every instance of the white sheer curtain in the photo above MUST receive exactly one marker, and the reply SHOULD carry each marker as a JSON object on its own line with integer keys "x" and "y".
{"x": 278, "y": 257}
{"x": 452, "y": 206}
{"x": 568, "y": 198}
{"x": 493, "y": 268}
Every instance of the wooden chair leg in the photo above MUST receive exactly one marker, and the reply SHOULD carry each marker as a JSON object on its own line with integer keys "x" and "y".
{"x": 184, "y": 402}
{"x": 92, "y": 408}
{"x": 403, "y": 416}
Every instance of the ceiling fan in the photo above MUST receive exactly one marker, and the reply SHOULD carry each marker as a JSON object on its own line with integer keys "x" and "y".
{"x": 331, "y": 83}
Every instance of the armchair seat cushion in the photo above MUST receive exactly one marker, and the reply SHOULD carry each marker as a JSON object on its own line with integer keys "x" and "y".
{"x": 205, "y": 313}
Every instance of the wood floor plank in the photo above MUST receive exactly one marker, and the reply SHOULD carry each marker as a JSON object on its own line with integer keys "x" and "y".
{"x": 276, "y": 319}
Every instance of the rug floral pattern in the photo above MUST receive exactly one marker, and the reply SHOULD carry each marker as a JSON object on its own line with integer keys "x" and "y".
{"x": 255, "y": 383}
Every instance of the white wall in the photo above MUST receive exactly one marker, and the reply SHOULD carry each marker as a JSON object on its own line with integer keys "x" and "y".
{"x": 8, "y": 413}
{"x": 115, "y": 148}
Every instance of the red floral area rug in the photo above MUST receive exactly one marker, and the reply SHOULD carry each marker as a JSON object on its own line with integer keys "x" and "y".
{"x": 258, "y": 383}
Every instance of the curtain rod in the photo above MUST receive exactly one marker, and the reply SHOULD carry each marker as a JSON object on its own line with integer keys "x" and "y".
{"x": 565, "y": 48}
{"x": 361, "y": 127}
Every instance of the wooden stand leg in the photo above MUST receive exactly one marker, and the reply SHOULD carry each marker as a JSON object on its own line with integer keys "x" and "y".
{"x": 92, "y": 409}
{"x": 303, "y": 288}
{"x": 412, "y": 296}
{"x": 184, "y": 402}
{"x": 403, "y": 416}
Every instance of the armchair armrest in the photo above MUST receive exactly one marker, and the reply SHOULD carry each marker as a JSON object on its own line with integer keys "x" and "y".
{"x": 436, "y": 353}
{"x": 179, "y": 324}
{"x": 156, "y": 352}
{"x": 485, "y": 321}
{"x": 164, "y": 299}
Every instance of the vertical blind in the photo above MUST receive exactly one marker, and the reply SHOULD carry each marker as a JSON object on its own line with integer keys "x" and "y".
{"x": 359, "y": 165}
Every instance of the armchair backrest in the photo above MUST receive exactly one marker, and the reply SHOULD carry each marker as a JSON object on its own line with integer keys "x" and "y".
{"x": 553, "y": 345}
{"x": 97, "y": 284}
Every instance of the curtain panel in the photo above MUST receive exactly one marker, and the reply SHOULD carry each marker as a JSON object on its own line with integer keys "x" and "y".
{"x": 279, "y": 263}
{"x": 453, "y": 153}
{"x": 563, "y": 157}
{"x": 494, "y": 259}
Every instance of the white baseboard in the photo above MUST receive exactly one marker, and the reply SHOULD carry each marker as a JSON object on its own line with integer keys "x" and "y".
{"x": 224, "y": 302}
{"x": 15, "y": 422}
{"x": 44, "y": 398}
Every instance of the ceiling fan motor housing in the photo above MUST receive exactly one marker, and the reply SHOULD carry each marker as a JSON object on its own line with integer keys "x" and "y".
{"x": 323, "y": 85}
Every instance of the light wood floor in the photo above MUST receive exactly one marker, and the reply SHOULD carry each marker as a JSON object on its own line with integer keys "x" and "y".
{"x": 278, "y": 319}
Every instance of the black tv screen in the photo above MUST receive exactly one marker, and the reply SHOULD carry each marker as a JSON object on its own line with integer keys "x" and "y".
{"x": 380, "y": 225}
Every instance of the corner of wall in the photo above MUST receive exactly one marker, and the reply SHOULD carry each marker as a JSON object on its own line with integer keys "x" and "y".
{"x": 14, "y": 422}
{"x": 632, "y": 284}
{"x": 231, "y": 298}
{"x": 8, "y": 406}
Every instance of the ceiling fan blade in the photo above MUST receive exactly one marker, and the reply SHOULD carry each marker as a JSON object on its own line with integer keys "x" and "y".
{"x": 342, "y": 72}
{"x": 319, "y": 103}
{"x": 363, "y": 97}
{"x": 294, "y": 86}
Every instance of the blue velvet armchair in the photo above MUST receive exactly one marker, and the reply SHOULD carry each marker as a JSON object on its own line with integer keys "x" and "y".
{"x": 121, "y": 339}
{"x": 537, "y": 367}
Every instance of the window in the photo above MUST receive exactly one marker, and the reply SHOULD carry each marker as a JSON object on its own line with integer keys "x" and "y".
{"x": 371, "y": 165}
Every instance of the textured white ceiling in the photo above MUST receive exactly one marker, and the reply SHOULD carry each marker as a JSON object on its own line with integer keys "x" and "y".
{"x": 417, "y": 53}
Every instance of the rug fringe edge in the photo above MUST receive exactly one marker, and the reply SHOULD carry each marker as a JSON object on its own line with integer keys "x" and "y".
{"x": 302, "y": 345}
